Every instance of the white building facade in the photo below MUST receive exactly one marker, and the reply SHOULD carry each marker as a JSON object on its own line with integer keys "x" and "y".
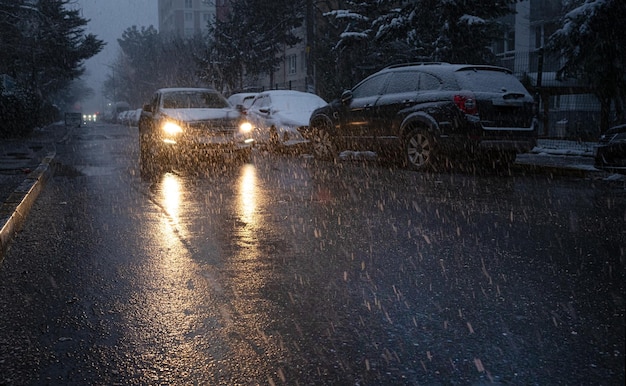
{"x": 185, "y": 18}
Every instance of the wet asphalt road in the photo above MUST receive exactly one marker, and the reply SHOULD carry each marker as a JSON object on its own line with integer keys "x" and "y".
{"x": 288, "y": 271}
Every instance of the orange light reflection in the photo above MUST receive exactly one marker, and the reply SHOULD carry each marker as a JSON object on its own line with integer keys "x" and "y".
{"x": 171, "y": 195}
{"x": 247, "y": 195}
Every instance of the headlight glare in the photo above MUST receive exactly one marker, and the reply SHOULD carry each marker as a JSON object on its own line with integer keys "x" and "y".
{"x": 172, "y": 128}
{"x": 245, "y": 127}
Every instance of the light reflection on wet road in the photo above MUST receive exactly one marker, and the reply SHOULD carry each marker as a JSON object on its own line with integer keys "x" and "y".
{"x": 288, "y": 271}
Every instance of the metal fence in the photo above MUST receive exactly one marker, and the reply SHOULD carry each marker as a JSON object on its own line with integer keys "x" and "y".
{"x": 567, "y": 108}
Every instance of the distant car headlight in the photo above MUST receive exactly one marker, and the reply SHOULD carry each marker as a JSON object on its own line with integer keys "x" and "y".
{"x": 245, "y": 127}
{"x": 171, "y": 128}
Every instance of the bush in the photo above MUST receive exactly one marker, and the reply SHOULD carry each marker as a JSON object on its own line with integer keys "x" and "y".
{"x": 19, "y": 116}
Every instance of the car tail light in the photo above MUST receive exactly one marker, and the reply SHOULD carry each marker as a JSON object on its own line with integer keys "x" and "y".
{"x": 466, "y": 103}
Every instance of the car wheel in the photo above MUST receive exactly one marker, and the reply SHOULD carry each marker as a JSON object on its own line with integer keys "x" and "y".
{"x": 419, "y": 150}
{"x": 274, "y": 141}
{"x": 151, "y": 160}
{"x": 322, "y": 144}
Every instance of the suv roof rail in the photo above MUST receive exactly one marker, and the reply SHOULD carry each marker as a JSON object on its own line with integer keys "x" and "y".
{"x": 415, "y": 64}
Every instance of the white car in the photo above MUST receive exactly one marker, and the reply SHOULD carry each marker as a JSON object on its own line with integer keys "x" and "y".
{"x": 242, "y": 100}
{"x": 182, "y": 124}
{"x": 276, "y": 115}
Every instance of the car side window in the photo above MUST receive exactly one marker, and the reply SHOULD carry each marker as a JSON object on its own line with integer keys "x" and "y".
{"x": 429, "y": 82}
{"x": 370, "y": 87}
{"x": 267, "y": 101}
{"x": 259, "y": 102}
{"x": 255, "y": 103}
{"x": 403, "y": 81}
{"x": 154, "y": 102}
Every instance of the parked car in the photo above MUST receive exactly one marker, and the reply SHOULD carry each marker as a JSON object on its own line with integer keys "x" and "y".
{"x": 182, "y": 124}
{"x": 129, "y": 117}
{"x": 242, "y": 100}
{"x": 278, "y": 115}
{"x": 610, "y": 152}
{"x": 423, "y": 113}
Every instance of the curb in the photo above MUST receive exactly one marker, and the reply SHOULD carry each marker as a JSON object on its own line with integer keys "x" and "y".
{"x": 15, "y": 209}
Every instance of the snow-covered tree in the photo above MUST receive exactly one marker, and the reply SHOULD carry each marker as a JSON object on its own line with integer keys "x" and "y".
{"x": 137, "y": 72}
{"x": 593, "y": 50}
{"x": 373, "y": 34}
{"x": 253, "y": 37}
{"x": 457, "y": 31}
{"x": 150, "y": 60}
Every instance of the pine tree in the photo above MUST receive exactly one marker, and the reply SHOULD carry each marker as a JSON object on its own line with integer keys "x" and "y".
{"x": 252, "y": 38}
{"x": 53, "y": 46}
{"x": 43, "y": 47}
{"x": 595, "y": 52}
{"x": 371, "y": 35}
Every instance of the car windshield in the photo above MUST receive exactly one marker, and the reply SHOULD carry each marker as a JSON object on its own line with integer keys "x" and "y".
{"x": 489, "y": 81}
{"x": 193, "y": 100}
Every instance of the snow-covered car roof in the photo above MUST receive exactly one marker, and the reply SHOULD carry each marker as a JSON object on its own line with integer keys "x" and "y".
{"x": 293, "y": 100}
{"x": 209, "y": 104}
{"x": 193, "y": 98}
{"x": 289, "y": 107}
{"x": 240, "y": 97}
{"x": 475, "y": 77}
{"x": 179, "y": 89}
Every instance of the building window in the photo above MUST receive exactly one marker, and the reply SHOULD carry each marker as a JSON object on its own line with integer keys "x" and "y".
{"x": 188, "y": 3}
{"x": 506, "y": 44}
{"x": 293, "y": 64}
{"x": 188, "y": 17}
{"x": 539, "y": 38}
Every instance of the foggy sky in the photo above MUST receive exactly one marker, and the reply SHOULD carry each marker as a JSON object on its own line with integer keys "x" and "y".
{"x": 108, "y": 19}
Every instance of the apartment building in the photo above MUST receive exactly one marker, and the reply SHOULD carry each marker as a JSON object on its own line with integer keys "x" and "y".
{"x": 187, "y": 17}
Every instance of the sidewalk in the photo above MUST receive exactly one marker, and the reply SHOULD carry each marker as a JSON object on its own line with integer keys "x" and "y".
{"x": 561, "y": 154}
{"x": 25, "y": 167}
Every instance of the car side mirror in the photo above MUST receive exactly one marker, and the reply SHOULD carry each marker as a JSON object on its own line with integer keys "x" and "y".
{"x": 346, "y": 96}
{"x": 147, "y": 108}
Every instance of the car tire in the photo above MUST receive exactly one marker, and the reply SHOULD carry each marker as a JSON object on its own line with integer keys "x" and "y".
{"x": 418, "y": 150}
{"x": 274, "y": 141}
{"x": 151, "y": 161}
{"x": 322, "y": 145}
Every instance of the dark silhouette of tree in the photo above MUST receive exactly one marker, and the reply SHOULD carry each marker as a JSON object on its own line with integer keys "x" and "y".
{"x": 363, "y": 37}
{"x": 594, "y": 51}
{"x": 150, "y": 60}
{"x": 43, "y": 47}
{"x": 251, "y": 39}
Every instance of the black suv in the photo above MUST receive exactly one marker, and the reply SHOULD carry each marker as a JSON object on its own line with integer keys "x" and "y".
{"x": 423, "y": 113}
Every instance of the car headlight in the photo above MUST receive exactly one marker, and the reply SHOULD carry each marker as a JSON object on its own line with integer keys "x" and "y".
{"x": 245, "y": 127}
{"x": 171, "y": 128}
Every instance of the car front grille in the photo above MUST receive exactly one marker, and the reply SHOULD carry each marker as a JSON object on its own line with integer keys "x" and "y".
{"x": 213, "y": 127}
